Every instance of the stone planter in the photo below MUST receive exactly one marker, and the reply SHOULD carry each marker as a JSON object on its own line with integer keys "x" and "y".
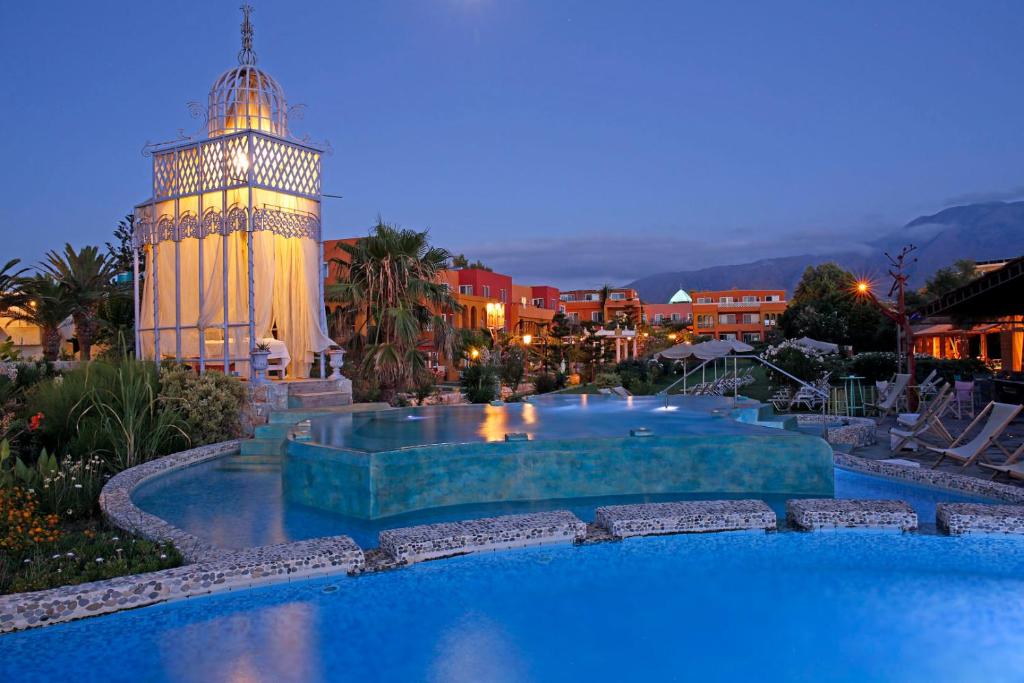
{"x": 260, "y": 362}
{"x": 337, "y": 357}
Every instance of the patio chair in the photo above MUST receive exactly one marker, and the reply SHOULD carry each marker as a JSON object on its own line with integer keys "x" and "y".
{"x": 911, "y": 427}
{"x": 1012, "y": 467}
{"x": 963, "y": 400}
{"x": 809, "y": 397}
{"x": 888, "y": 404}
{"x": 993, "y": 420}
{"x": 782, "y": 399}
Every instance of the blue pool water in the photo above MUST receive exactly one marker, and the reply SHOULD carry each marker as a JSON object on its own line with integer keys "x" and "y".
{"x": 236, "y": 509}
{"x": 542, "y": 418}
{"x": 716, "y": 607}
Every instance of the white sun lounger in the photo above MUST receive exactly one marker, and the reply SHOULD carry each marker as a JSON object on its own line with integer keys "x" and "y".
{"x": 996, "y": 416}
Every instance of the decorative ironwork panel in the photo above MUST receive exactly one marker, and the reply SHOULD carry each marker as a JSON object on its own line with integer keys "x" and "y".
{"x": 278, "y": 165}
{"x": 287, "y": 223}
{"x": 291, "y": 224}
{"x": 224, "y": 163}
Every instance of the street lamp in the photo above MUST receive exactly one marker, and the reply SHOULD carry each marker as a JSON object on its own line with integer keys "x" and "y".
{"x": 527, "y": 338}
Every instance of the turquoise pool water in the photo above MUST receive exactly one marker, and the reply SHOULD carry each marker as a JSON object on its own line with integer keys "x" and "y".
{"x": 717, "y": 607}
{"x": 542, "y": 418}
{"x": 239, "y": 508}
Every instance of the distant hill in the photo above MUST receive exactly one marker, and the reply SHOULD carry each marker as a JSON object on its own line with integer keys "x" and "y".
{"x": 977, "y": 231}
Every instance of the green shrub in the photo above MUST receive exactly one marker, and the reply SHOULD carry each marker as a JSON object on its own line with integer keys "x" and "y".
{"x": 950, "y": 369}
{"x": 513, "y": 366}
{"x": 607, "y": 380}
{"x": 545, "y": 382}
{"x": 210, "y": 404}
{"x": 479, "y": 383}
{"x": 875, "y": 366}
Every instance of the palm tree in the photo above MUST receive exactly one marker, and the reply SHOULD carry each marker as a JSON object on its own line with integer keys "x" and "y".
{"x": 10, "y": 293}
{"x": 46, "y": 305}
{"x": 85, "y": 275}
{"x": 393, "y": 286}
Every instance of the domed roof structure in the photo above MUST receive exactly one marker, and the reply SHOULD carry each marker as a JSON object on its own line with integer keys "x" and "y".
{"x": 246, "y": 97}
{"x": 680, "y": 297}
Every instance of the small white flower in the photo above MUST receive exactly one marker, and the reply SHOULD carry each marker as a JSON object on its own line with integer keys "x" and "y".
{"x": 55, "y": 556}
{"x": 28, "y": 560}
{"x": 162, "y": 556}
{"x": 78, "y": 486}
{"x": 99, "y": 560}
{"x": 71, "y": 554}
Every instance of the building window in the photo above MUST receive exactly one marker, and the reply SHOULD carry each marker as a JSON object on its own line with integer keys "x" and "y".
{"x": 487, "y": 290}
{"x": 574, "y": 316}
{"x": 502, "y": 295}
{"x": 705, "y": 321}
{"x": 725, "y": 299}
{"x": 595, "y": 317}
{"x": 727, "y": 335}
{"x": 466, "y": 289}
{"x": 770, "y": 319}
{"x": 773, "y": 297}
{"x": 751, "y": 337}
{"x": 676, "y": 317}
{"x": 727, "y": 319}
{"x": 591, "y": 296}
{"x": 561, "y": 309}
{"x": 704, "y": 299}
{"x": 539, "y": 302}
{"x": 750, "y": 319}
{"x": 749, "y": 299}
{"x": 657, "y": 318}
{"x": 566, "y": 297}
{"x": 617, "y": 296}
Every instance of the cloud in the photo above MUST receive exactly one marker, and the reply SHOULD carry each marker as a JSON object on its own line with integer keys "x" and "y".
{"x": 592, "y": 259}
{"x": 983, "y": 197}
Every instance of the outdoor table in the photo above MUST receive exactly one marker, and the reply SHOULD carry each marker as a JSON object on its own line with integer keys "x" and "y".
{"x": 854, "y": 395}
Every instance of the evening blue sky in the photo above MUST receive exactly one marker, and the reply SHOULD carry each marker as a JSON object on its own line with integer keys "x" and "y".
{"x": 573, "y": 142}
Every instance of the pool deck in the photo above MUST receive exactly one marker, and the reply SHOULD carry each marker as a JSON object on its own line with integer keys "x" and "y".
{"x": 1012, "y": 438}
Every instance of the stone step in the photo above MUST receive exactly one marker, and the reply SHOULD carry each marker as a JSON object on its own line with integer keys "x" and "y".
{"x": 685, "y": 517}
{"x": 432, "y": 541}
{"x": 262, "y": 447}
{"x": 312, "y": 386}
{"x": 318, "y": 399}
{"x": 819, "y": 514}
{"x": 272, "y": 431}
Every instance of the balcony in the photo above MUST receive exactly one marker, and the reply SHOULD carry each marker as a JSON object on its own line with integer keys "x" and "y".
{"x": 745, "y": 304}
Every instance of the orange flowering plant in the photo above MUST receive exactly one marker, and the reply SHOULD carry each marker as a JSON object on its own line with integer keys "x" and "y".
{"x": 22, "y": 524}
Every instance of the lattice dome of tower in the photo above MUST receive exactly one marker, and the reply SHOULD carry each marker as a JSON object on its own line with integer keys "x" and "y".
{"x": 245, "y": 98}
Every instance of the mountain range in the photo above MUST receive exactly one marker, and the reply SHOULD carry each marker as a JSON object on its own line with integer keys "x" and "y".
{"x": 986, "y": 231}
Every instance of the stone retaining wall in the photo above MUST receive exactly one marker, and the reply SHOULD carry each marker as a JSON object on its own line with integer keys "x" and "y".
{"x": 432, "y": 541}
{"x": 243, "y": 569}
{"x": 855, "y": 431}
{"x": 814, "y": 514}
{"x": 957, "y": 519}
{"x": 699, "y": 516}
{"x": 937, "y": 478}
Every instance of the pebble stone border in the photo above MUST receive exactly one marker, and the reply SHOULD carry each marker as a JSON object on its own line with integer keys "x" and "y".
{"x": 816, "y": 514}
{"x": 243, "y": 569}
{"x": 117, "y": 506}
{"x": 936, "y": 478}
{"x": 958, "y": 519}
{"x": 217, "y": 569}
{"x": 433, "y": 541}
{"x": 699, "y": 516}
{"x": 855, "y": 431}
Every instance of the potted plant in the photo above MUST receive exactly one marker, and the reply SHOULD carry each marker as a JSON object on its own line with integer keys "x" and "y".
{"x": 337, "y": 356}
{"x": 260, "y": 357}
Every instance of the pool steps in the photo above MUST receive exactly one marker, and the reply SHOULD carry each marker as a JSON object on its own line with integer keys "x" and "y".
{"x": 831, "y": 514}
{"x": 684, "y": 517}
{"x": 434, "y": 541}
{"x": 958, "y": 519}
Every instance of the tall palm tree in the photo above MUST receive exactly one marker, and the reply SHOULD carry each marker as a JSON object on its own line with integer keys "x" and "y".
{"x": 10, "y": 291}
{"x": 391, "y": 279}
{"x": 86, "y": 277}
{"x": 45, "y": 304}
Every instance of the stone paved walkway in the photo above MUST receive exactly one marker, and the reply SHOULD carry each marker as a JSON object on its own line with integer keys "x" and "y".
{"x": 1011, "y": 439}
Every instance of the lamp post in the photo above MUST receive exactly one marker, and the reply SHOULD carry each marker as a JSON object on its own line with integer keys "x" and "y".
{"x": 904, "y": 332}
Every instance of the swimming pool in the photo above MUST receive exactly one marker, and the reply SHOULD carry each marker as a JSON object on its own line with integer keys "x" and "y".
{"x": 380, "y": 464}
{"x": 237, "y": 507}
{"x": 723, "y": 607}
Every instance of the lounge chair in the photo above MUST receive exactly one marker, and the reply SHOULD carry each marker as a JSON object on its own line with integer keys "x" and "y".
{"x": 910, "y": 427}
{"x": 996, "y": 417}
{"x": 782, "y": 399}
{"x": 1012, "y": 468}
{"x": 889, "y": 403}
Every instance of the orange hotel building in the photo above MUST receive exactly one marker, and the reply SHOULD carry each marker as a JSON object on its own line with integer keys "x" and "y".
{"x": 743, "y": 314}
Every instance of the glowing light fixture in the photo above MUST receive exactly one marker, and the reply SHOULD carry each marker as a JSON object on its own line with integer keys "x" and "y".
{"x": 474, "y": 353}
{"x": 863, "y": 287}
{"x": 527, "y": 338}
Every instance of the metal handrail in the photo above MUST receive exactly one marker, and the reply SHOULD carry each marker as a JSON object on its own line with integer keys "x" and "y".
{"x": 820, "y": 392}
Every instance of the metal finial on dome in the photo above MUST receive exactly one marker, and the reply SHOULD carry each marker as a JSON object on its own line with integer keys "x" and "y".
{"x": 246, "y": 54}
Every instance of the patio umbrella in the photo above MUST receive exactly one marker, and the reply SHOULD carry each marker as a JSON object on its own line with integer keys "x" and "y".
{"x": 820, "y": 346}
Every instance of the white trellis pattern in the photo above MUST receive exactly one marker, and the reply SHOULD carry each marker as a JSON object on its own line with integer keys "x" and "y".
{"x": 224, "y": 163}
